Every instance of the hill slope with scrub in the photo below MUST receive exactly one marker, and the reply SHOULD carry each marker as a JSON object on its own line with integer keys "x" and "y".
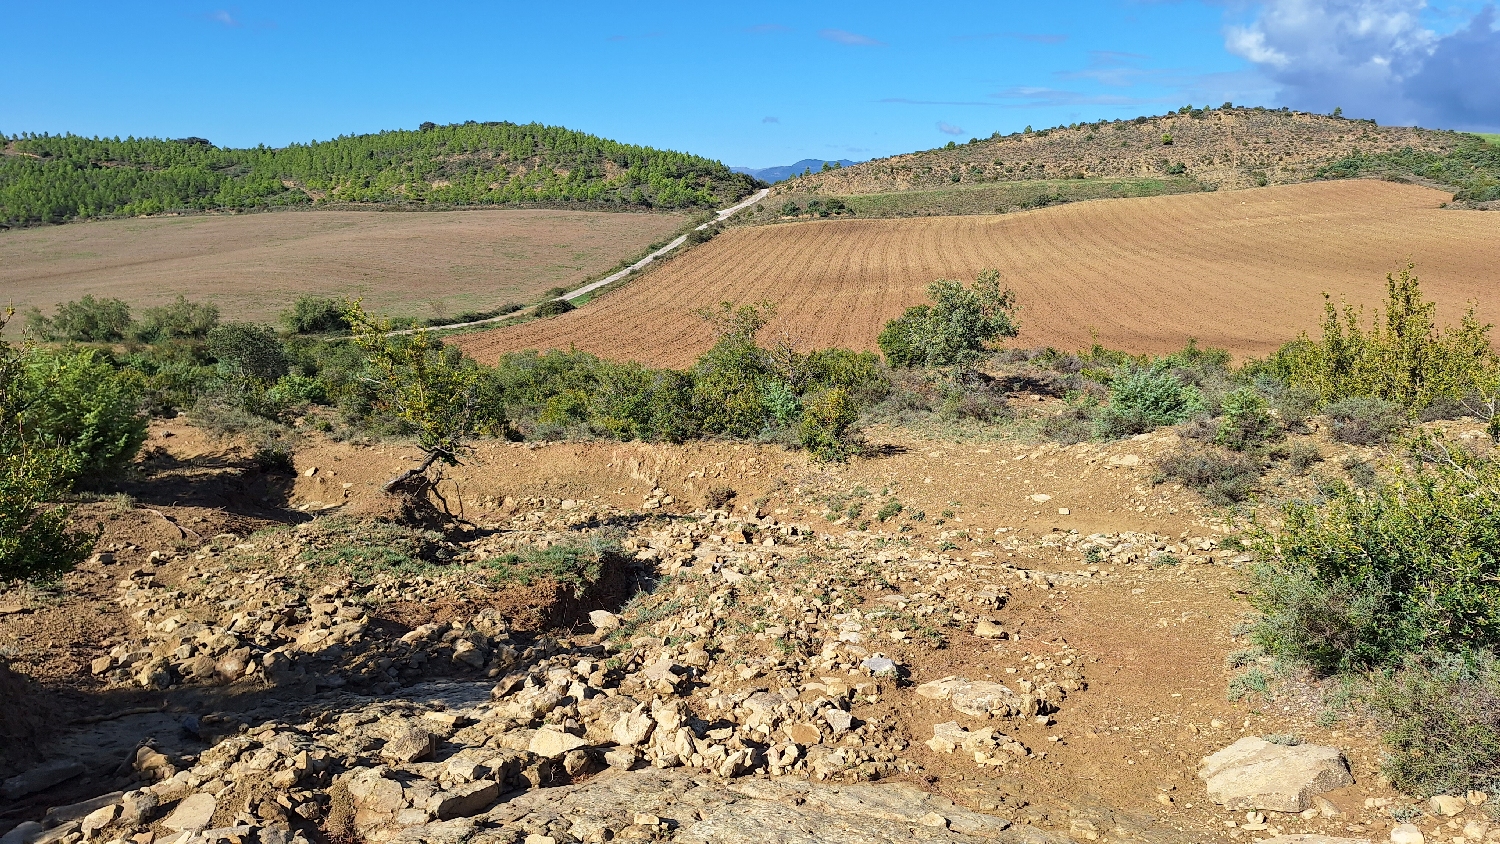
{"x": 1191, "y": 149}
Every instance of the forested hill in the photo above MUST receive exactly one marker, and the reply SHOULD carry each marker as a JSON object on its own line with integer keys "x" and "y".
{"x": 55, "y": 178}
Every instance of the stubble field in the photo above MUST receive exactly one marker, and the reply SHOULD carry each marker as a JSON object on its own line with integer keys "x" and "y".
{"x": 1243, "y": 270}
{"x": 252, "y": 266}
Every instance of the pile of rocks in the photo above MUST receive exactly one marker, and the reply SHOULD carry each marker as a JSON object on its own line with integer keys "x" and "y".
{"x": 752, "y": 674}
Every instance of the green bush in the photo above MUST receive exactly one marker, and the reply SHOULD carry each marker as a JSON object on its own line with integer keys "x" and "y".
{"x": 295, "y": 391}
{"x": 247, "y": 350}
{"x": 826, "y": 424}
{"x": 87, "y": 320}
{"x": 1145, "y": 399}
{"x": 554, "y": 307}
{"x": 315, "y": 315}
{"x": 1410, "y": 565}
{"x": 1441, "y": 721}
{"x": 1247, "y": 421}
{"x": 956, "y": 328}
{"x": 178, "y": 320}
{"x": 36, "y": 541}
{"x": 1365, "y": 420}
{"x": 1402, "y": 357}
{"x": 78, "y": 402}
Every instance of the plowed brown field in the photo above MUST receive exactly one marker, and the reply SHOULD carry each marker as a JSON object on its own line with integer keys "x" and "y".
{"x": 1244, "y": 270}
{"x": 252, "y": 266}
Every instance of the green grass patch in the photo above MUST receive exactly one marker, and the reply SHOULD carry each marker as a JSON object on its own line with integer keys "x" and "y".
{"x": 365, "y": 549}
{"x": 578, "y": 565}
{"x": 1490, "y": 137}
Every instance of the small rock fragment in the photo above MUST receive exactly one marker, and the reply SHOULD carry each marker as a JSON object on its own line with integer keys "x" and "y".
{"x": 986, "y": 629}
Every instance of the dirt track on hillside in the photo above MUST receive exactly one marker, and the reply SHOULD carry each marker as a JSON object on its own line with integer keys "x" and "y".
{"x": 1244, "y": 270}
{"x": 252, "y": 266}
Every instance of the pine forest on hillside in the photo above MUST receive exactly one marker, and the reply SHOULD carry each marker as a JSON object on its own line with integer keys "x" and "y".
{"x": 55, "y": 178}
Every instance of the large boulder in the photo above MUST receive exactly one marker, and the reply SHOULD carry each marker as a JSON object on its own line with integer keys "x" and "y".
{"x": 979, "y": 698}
{"x": 1254, "y": 773}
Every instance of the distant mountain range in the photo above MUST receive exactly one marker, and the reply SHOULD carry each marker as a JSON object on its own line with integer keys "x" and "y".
{"x": 788, "y": 171}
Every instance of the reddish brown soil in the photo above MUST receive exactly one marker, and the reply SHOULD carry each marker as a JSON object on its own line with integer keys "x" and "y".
{"x": 252, "y": 266}
{"x": 1244, "y": 270}
{"x": 1153, "y": 641}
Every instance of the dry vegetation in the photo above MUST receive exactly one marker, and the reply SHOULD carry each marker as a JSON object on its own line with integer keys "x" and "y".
{"x": 1223, "y": 149}
{"x": 1243, "y": 270}
{"x": 254, "y": 266}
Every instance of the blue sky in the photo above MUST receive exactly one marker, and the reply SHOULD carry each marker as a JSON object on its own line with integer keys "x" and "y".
{"x": 750, "y": 84}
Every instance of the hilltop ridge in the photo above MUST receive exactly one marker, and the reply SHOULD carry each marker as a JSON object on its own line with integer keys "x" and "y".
{"x": 1221, "y": 148}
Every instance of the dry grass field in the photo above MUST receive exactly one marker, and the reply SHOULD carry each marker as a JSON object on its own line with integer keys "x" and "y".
{"x": 252, "y": 266}
{"x": 1244, "y": 270}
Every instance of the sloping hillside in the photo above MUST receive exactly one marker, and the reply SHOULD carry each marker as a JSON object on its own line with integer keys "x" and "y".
{"x": 1220, "y": 148}
{"x": 54, "y": 178}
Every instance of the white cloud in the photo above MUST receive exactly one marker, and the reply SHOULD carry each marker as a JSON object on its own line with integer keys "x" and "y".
{"x": 1376, "y": 58}
{"x": 852, "y": 39}
{"x": 949, "y": 128}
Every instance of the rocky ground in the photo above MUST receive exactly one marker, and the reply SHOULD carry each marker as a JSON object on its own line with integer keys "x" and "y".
{"x": 708, "y": 643}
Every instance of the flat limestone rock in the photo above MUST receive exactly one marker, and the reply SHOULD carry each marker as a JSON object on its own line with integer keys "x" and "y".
{"x": 1313, "y": 839}
{"x": 554, "y": 743}
{"x": 979, "y": 698}
{"x": 1253, "y": 773}
{"x": 758, "y": 811}
{"x": 192, "y": 814}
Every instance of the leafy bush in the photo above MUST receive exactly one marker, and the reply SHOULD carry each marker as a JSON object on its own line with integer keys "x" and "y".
{"x": 956, "y": 328}
{"x": 36, "y": 541}
{"x": 87, "y": 320}
{"x": 178, "y": 320}
{"x": 434, "y": 389}
{"x": 78, "y": 402}
{"x": 1409, "y": 565}
{"x": 247, "y": 350}
{"x": 1247, "y": 421}
{"x": 1145, "y": 399}
{"x": 1365, "y": 420}
{"x": 1223, "y": 478}
{"x": 1441, "y": 721}
{"x": 826, "y": 423}
{"x": 315, "y": 315}
{"x": 554, "y": 307}
{"x": 1402, "y": 357}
